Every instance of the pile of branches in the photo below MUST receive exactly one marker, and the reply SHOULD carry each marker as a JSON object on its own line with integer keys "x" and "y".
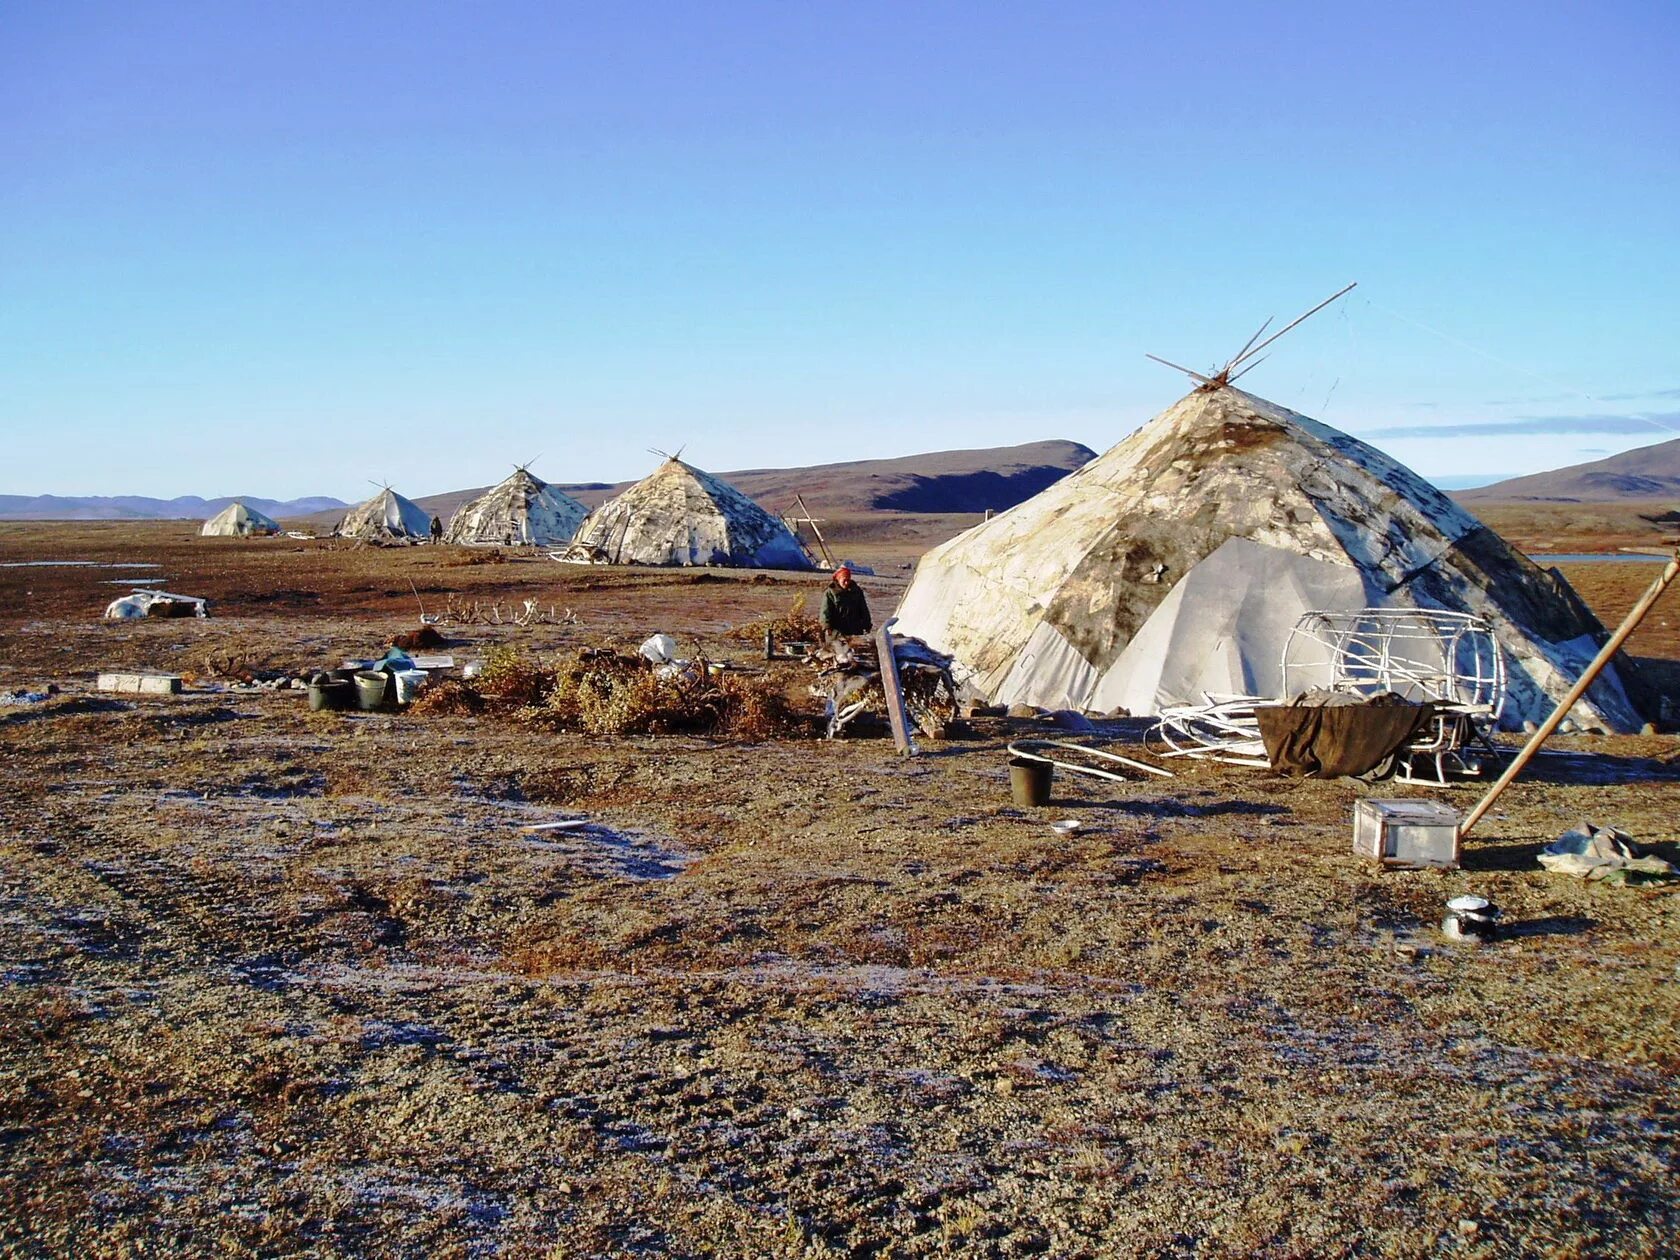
{"x": 602, "y": 692}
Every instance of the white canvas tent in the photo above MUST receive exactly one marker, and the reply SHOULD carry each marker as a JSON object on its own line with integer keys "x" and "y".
{"x": 1176, "y": 563}
{"x": 387, "y": 517}
{"x": 521, "y": 510}
{"x": 238, "y": 521}
{"x": 681, "y": 515}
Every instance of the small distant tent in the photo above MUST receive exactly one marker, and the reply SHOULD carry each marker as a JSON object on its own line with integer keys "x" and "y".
{"x": 679, "y": 515}
{"x": 523, "y": 509}
{"x": 238, "y": 521}
{"x": 387, "y": 517}
{"x": 1174, "y": 566}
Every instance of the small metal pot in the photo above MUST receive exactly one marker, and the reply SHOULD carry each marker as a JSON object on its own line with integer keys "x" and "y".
{"x": 1470, "y": 918}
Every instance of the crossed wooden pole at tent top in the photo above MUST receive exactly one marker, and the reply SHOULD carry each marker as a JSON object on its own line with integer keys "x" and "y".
{"x": 1224, "y": 376}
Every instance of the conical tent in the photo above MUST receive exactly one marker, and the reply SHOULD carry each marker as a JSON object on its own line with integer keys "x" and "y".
{"x": 238, "y": 521}
{"x": 680, "y": 515}
{"x": 1176, "y": 563}
{"x": 523, "y": 509}
{"x": 384, "y": 518}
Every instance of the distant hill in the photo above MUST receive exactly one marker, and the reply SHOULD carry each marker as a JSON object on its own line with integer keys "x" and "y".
{"x": 1650, "y": 472}
{"x": 940, "y": 481}
{"x": 134, "y": 507}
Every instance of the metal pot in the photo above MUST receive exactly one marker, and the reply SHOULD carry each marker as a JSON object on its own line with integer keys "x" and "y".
{"x": 1470, "y": 918}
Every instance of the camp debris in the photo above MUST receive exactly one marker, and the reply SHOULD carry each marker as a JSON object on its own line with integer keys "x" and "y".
{"x": 679, "y": 515}
{"x": 238, "y": 521}
{"x": 18, "y": 697}
{"x": 850, "y": 683}
{"x": 1095, "y": 763}
{"x": 1605, "y": 854}
{"x": 1170, "y": 571}
{"x": 148, "y": 603}
{"x": 385, "y": 518}
{"x": 523, "y": 510}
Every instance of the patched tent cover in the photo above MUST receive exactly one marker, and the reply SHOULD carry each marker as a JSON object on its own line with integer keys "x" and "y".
{"x": 680, "y": 515}
{"x": 384, "y": 518}
{"x": 521, "y": 510}
{"x": 238, "y": 521}
{"x": 1175, "y": 564}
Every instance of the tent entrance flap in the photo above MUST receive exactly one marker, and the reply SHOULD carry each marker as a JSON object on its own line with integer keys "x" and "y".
{"x": 1222, "y": 629}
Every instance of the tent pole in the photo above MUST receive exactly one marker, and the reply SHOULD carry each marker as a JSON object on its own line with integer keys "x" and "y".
{"x": 1630, "y": 623}
{"x": 1300, "y": 319}
{"x": 822, "y": 543}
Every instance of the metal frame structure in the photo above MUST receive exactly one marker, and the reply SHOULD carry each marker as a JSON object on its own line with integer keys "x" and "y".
{"x": 1222, "y": 729}
{"x": 1448, "y": 659}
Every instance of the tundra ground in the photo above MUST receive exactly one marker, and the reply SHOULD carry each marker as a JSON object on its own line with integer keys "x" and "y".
{"x": 282, "y": 983}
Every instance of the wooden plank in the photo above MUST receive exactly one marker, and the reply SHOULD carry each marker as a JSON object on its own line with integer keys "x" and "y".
{"x": 894, "y": 689}
{"x": 149, "y": 684}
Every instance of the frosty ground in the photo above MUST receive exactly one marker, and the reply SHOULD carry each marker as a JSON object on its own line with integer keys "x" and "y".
{"x": 285, "y": 983}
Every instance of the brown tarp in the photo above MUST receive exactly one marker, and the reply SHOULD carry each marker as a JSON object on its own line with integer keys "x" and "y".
{"x": 1319, "y": 741}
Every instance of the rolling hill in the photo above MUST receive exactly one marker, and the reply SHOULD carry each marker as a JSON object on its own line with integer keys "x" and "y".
{"x": 1649, "y": 472}
{"x": 135, "y": 507}
{"x": 940, "y": 481}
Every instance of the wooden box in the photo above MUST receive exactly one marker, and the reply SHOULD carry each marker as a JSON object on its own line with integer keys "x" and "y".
{"x": 142, "y": 682}
{"x": 1411, "y": 835}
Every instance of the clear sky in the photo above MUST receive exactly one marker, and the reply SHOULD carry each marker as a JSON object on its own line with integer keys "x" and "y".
{"x": 281, "y": 249}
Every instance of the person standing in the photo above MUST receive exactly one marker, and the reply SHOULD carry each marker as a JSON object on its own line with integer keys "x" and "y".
{"x": 437, "y": 529}
{"x": 845, "y": 611}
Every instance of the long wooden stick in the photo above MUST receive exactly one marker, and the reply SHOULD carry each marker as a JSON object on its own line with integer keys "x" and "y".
{"x": 893, "y": 689}
{"x": 1258, "y": 333}
{"x": 1194, "y": 375}
{"x": 1315, "y": 310}
{"x": 1630, "y": 623}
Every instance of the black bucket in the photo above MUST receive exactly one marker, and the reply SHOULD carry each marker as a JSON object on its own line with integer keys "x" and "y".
{"x": 331, "y": 694}
{"x": 1029, "y": 780}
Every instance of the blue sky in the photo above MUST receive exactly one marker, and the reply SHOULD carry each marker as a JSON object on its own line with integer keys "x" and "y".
{"x": 283, "y": 249}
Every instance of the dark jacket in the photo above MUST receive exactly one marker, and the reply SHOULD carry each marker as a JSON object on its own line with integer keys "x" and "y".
{"x": 845, "y": 610}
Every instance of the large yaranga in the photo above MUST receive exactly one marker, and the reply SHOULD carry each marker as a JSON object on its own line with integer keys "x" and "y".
{"x": 522, "y": 509}
{"x": 1174, "y": 565}
{"x": 386, "y": 517}
{"x": 679, "y": 515}
{"x": 238, "y": 521}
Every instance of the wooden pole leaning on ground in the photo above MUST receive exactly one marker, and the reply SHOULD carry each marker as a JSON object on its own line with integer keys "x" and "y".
{"x": 1630, "y": 623}
{"x": 808, "y": 519}
{"x": 893, "y": 688}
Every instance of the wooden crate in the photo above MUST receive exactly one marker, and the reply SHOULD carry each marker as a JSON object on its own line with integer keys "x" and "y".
{"x": 143, "y": 683}
{"x": 1410, "y": 835}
